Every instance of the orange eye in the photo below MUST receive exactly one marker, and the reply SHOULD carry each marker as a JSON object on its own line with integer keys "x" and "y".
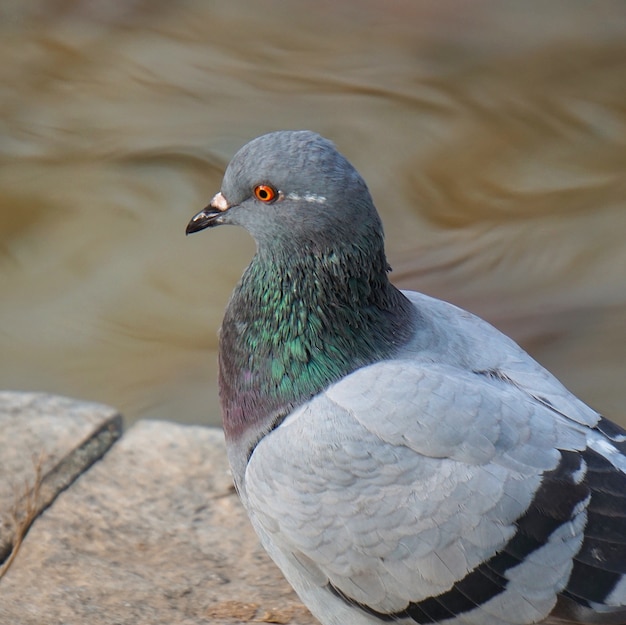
{"x": 265, "y": 193}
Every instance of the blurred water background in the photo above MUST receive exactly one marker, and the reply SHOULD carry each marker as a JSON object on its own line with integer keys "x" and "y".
{"x": 492, "y": 135}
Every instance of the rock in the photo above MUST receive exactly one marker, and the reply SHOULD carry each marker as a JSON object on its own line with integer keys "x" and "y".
{"x": 152, "y": 534}
{"x": 46, "y": 442}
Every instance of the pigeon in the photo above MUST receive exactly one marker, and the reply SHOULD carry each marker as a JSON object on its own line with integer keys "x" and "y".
{"x": 400, "y": 459}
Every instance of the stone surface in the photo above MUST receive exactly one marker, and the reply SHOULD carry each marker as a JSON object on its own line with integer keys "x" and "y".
{"x": 152, "y": 534}
{"x": 45, "y": 443}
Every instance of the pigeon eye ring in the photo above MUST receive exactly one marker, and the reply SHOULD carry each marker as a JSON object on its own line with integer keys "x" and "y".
{"x": 265, "y": 193}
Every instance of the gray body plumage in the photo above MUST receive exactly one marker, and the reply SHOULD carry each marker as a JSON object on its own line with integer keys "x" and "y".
{"x": 450, "y": 479}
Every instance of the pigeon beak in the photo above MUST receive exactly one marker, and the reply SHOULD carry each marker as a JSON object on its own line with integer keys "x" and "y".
{"x": 209, "y": 216}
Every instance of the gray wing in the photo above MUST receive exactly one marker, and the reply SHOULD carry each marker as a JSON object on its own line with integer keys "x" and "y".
{"x": 424, "y": 493}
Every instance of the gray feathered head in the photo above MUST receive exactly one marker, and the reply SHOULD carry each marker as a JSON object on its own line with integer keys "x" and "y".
{"x": 293, "y": 188}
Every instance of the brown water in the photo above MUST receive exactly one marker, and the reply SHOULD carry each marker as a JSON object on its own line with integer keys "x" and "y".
{"x": 492, "y": 135}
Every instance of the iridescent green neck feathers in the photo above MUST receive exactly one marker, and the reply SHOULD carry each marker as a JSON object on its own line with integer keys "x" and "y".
{"x": 297, "y": 322}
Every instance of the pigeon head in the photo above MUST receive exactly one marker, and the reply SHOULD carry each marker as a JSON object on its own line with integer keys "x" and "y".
{"x": 292, "y": 189}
